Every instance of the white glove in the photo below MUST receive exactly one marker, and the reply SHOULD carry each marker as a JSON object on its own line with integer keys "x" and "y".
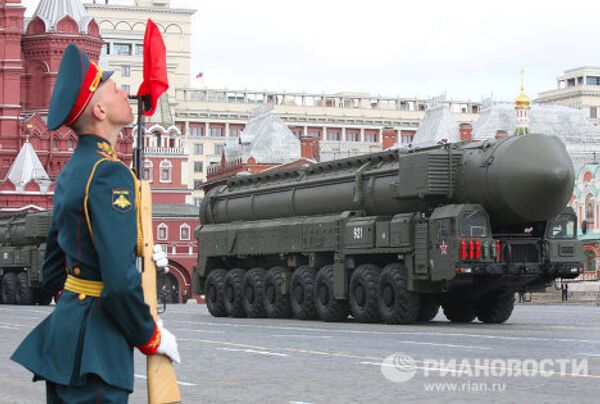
{"x": 168, "y": 343}
{"x": 160, "y": 259}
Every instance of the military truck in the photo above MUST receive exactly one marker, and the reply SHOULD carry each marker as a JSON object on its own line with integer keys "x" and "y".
{"x": 392, "y": 236}
{"x": 22, "y": 248}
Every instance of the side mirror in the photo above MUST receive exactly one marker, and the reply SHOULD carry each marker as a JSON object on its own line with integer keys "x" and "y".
{"x": 584, "y": 226}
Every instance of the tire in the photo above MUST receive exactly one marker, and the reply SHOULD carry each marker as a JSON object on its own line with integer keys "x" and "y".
{"x": 215, "y": 295}
{"x": 302, "y": 294}
{"x": 430, "y": 307}
{"x": 233, "y": 288}
{"x": 363, "y": 293}
{"x": 9, "y": 288}
{"x": 253, "y": 293}
{"x": 459, "y": 311}
{"x": 397, "y": 305}
{"x": 496, "y": 310}
{"x": 24, "y": 292}
{"x": 277, "y": 303}
{"x": 42, "y": 297}
{"x": 328, "y": 307}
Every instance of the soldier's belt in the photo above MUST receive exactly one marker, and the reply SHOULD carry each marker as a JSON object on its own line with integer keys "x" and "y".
{"x": 83, "y": 286}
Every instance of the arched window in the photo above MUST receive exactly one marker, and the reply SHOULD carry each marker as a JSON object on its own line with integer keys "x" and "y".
{"x": 165, "y": 171}
{"x": 157, "y": 138}
{"x": 184, "y": 232}
{"x": 589, "y": 208}
{"x": 162, "y": 232}
{"x": 148, "y": 168}
{"x": 70, "y": 143}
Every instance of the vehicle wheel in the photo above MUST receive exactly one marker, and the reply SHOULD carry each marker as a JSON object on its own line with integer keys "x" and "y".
{"x": 253, "y": 293}
{"x": 328, "y": 307}
{"x": 430, "y": 306}
{"x": 24, "y": 292}
{"x": 42, "y": 297}
{"x": 459, "y": 311}
{"x": 215, "y": 294}
{"x": 234, "y": 292}
{"x": 496, "y": 310}
{"x": 302, "y": 293}
{"x": 363, "y": 293}
{"x": 276, "y": 297}
{"x": 397, "y": 305}
{"x": 9, "y": 288}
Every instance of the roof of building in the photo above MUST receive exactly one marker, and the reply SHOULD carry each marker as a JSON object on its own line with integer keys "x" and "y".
{"x": 175, "y": 210}
{"x": 26, "y": 167}
{"x": 437, "y": 125}
{"x": 52, "y": 11}
{"x": 580, "y": 135}
{"x": 266, "y": 138}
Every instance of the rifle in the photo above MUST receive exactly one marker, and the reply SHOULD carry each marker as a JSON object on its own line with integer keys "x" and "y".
{"x": 162, "y": 383}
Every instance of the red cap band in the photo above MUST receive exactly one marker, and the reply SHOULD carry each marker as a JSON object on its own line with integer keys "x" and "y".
{"x": 88, "y": 88}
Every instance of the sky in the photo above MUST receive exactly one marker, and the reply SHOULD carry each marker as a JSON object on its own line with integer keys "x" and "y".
{"x": 466, "y": 49}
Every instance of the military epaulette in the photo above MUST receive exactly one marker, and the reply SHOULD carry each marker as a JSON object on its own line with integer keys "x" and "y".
{"x": 107, "y": 151}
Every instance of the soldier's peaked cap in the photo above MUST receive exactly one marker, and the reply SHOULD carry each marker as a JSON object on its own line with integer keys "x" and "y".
{"x": 77, "y": 81}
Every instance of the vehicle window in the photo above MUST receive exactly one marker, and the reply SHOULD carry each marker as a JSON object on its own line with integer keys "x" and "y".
{"x": 473, "y": 224}
{"x": 563, "y": 226}
{"x": 444, "y": 229}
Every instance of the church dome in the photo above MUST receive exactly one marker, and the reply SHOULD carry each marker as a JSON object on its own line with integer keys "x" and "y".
{"x": 522, "y": 101}
{"x": 52, "y": 12}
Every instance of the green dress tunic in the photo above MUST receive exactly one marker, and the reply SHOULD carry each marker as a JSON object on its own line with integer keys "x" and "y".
{"x": 93, "y": 238}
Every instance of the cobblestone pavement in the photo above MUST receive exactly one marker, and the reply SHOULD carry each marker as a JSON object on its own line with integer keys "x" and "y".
{"x": 288, "y": 361}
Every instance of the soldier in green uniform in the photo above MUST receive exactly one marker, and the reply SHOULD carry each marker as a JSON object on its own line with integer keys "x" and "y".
{"x": 84, "y": 348}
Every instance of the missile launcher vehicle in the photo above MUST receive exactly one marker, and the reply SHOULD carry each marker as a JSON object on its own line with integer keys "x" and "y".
{"x": 392, "y": 236}
{"x": 22, "y": 249}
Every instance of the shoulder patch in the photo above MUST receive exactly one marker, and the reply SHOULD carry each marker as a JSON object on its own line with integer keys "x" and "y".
{"x": 121, "y": 200}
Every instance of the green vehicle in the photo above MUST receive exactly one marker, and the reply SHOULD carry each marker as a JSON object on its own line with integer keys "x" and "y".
{"x": 392, "y": 236}
{"x": 22, "y": 248}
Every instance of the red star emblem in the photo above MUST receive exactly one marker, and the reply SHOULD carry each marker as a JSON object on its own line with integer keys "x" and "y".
{"x": 444, "y": 248}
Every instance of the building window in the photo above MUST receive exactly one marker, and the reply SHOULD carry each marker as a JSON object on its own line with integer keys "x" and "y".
{"x": 122, "y": 49}
{"x": 219, "y": 147}
{"x": 139, "y": 49}
{"x": 314, "y": 133}
{"x": 333, "y": 135}
{"x": 216, "y": 132}
{"x": 197, "y": 185}
{"x": 165, "y": 171}
{"x": 196, "y": 131}
{"x": 106, "y": 49}
{"x": 592, "y": 80}
{"x": 594, "y": 112}
{"x": 198, "y": 149}
{"x": 148, "y": 166}
{"x": 126, "y": 71}
{"x": 197, "y": 201}
{"x": 371, "y": 137}
{"x": 162, "y": 232}
{"x": 70, "y": 144}
{"x": 198, "y": 168}
{"x": 54, "y": 144}
{"x": 234, "y": 132}
{"x": 126, "y": 88}
{"x": 353, "y": 136}
{"x": 184, "y": 232}
{"x": 407, "y": 139}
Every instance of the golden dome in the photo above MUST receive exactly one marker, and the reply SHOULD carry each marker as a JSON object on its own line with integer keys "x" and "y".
{"x": 522, "y": 101}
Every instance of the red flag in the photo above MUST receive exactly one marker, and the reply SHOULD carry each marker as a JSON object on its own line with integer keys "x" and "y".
{"x": 155, "y": 66}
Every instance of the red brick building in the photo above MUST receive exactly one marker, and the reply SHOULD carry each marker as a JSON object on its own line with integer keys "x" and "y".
{"x": 31, "y": 156}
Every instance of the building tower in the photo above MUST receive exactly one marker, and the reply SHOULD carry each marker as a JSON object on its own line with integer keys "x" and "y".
{"x": 522, "y": 106}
